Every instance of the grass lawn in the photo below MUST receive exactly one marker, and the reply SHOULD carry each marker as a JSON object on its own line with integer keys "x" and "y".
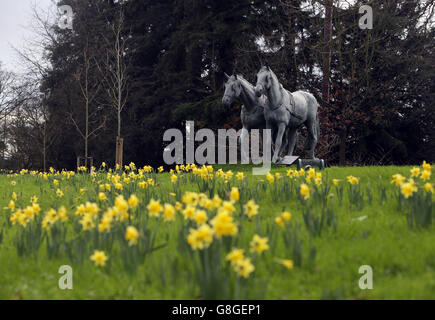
{"x": 373, "y": 231}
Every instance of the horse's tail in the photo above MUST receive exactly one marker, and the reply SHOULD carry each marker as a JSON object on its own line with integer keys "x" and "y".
{"x": 314, "y": 102}
{"x": 317, "y": 126}
{"x": 317, "y": 118}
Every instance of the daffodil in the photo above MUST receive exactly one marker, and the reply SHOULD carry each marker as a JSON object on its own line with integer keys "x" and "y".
{"x": 280, "y": 221}
{"x": 425, "y": 175}
{"x": 304, "y": 191}
{"x": 398, "y": 179}
{"x": 311, "y": 172}
{"x": 99, "y": 258}
{"x": 428, "y": 187}
{"x": 168, "y": 212}
{"x": 154, "y": 208}
{"x": 223, "y": 224}
{"x": 190, "y": 198}
{"x": 189, "y": 212}
{"x": 270, "y": 177}
{"x": 259, "y": 244}
{"x": 121, "y": 204}
{"x": 216, "y": 201}
{"x": 59, "y": 193}
{"x": 250, "y": 208}
{"x": 235, "y": 256}
{"x": 287, "y": 263}
{"x": 81, "y": 209}
{"x": 46, "y": 223}
{"x": 244, "y": 267}
{"x": 200, "y": 217}
{"x": 178, "y": 206}
{"x": 36, "y": 208}
{"x": 11, "y": 205}
{"x": 105, "y": 223}
{"x": 235, "y": 195}
{"x": 415, "y": 172}
{"x": 132, "y": 235}
{"x": 286, "y": 216}
{"x": 133, "y": 201}
{"x": 91, "y": 208}
{"x": 28, "y": 211}
{"x": 352, "y": 180}
{"x": 407, "y": 189}
{"x": 62, "y": 214}
{"x": 227, "y": 206}
{"x": 87, "y": 222}
{"x": 22, "y": 219}
{"x": 200, "y": 238}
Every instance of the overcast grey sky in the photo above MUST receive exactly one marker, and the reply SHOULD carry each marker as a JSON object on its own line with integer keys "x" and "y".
{"x": 15, "y": 17}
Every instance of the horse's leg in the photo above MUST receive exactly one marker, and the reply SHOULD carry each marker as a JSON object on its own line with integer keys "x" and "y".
{"x": 278, "y": 142}
{"x": 272, "y": 137}
{"x": 296, "y": 142}
{"x": 292, "y": 139}
{"x": 312, "y": 137}
{"x": 244, "y": 145}
{"x": 285, "y": 140}
{"x": 269, "y": 138}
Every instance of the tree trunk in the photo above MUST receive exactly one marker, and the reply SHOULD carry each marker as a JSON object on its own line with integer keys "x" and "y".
{"x": 44, "y": 146}
{"x": 119, "y": 146}
{"x": 4, "y": 146}
{"x": 119, "y": 150}
{"x": 86, "y": 134}
{"x": 327, "y": 30}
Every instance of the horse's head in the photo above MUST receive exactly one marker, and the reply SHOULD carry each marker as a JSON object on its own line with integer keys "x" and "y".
{"x": 233, "y": 89}
{"x": 264, "y": 81}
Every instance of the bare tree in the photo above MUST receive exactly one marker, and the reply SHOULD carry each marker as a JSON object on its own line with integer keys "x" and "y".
{"x": 327, "y": 30}
{"x": 43, "y": 131}
{"x": 32, "y": 134}
{"x": 28, "y": 113}
{"x": 115, "y": 74}
{"x": 12, "y": 95}
{"x": 5, "y": 106}
{"x": 89, "y": 90}
{"x": 6, "y": 93}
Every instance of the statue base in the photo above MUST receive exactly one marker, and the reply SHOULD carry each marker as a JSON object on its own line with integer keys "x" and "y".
{"x": 288, "y": 160}
{"x": 320, "y": 163}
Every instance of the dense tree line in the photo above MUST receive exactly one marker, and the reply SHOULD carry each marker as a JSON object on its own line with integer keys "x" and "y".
{"x": 380, "y": 109}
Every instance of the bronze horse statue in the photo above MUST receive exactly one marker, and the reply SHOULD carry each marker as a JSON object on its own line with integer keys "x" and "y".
{"x": 252, "y": 111}
{"x": 287, "y": 110}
